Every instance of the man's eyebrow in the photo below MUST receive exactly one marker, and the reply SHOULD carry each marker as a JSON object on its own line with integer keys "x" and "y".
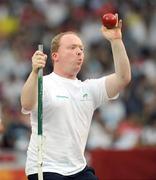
{"x": 79, "y": 45}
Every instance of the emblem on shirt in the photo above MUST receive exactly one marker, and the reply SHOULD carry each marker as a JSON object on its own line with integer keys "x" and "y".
{"x": 85, "y": 97}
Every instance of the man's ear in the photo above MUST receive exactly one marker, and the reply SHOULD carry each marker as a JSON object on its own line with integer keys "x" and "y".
{"x": 54, "y": 56}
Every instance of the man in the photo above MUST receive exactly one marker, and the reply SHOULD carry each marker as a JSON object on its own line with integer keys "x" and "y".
{"x": 68, "y": 104}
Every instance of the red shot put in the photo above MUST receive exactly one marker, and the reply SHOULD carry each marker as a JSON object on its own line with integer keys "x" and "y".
{"x": 109, "y": 20}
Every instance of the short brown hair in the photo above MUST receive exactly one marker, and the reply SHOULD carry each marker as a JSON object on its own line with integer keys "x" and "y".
{"x": 55, "y": 43}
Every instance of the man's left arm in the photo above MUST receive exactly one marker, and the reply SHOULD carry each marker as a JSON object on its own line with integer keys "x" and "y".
{"x": 117, "y": 81}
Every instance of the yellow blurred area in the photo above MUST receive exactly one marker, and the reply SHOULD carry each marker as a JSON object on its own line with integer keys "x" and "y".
{"x": 12, "y": 175}
{"x": 8, "y": 26}
{"x": 133, "y": 19}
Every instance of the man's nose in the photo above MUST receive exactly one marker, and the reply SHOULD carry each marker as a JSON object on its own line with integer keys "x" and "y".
{"x": 78, "y": 52}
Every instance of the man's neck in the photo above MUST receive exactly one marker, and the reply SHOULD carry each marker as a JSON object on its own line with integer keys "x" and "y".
{"x": 64, "y": 75}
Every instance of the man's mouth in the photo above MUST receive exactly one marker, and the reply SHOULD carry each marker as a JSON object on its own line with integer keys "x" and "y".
{"x": 79, "y": 62}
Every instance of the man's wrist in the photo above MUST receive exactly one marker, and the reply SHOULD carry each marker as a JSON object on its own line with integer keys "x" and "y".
{"x": 34, "y": 72}
{"x": 116, "y": 40}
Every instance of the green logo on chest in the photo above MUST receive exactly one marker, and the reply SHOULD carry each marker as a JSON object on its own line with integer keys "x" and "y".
{"x": 85, "y": 96}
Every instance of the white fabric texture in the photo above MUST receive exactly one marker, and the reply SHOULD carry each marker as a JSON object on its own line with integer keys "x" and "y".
{"x": 68, "y": 106}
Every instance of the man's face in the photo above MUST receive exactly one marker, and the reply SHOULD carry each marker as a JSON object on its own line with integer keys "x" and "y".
{"x": 70, "y": 54}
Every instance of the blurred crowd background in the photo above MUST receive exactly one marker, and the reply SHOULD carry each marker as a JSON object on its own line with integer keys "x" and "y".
{"x": 125, "y": 123}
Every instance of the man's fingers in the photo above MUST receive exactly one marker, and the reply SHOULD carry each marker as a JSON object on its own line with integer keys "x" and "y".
{"x": 43, "y": 57}
{"x": 120, "y": 24}
{"x": 39, "y": 53}
{"x": 103, "y": 28}
{"x": 39, "y": 64}
{"x": 38, "y": 60}
{"x": 116, "y": 15}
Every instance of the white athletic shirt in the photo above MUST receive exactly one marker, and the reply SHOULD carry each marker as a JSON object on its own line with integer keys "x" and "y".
{"x": 68, "y": 106}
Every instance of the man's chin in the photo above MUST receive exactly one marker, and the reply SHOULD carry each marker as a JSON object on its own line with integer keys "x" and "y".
{"x": 77, "y": 70}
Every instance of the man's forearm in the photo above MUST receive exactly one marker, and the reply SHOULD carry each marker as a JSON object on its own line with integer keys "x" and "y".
{"x": 121, "y": 61}
{"x": 29, "y": 92}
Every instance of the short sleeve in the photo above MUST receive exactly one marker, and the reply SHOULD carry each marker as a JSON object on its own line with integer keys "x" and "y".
{"x": 98, "y": 91}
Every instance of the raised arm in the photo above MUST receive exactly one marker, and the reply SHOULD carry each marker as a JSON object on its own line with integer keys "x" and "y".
{"x": 117, "y": 81}
{"x": 29, "y": 91}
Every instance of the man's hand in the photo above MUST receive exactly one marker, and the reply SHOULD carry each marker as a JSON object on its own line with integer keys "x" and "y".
{"x": 38, "y": 61}
{"x": 115, "y": 33}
